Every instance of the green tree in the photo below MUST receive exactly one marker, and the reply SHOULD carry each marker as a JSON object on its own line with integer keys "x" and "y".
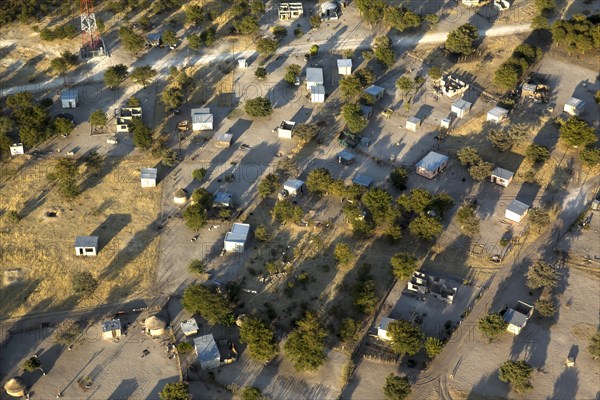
{"x": 194, "y": 15}
{"x": 540, "y": 23}
{"x": 266, "y": 47}
{"x": 319, "y": 181}
{"x": 305, "y": 345}
{"x": 396, "y": 387}
{"x": 209, "y": 36}
{"x": 364, "y": 296}
{"x": 350, "y": 87}
{"x": 507, "y": 75}
{"x": 539, "y": 217}
{"x": 501, "y": 139}
{"x": 518, "y": 374}
{"x": 541, "y": 274}
{"x": 435, "y": 73}
{"x": 342, "y": 253}
{"x": 195, "y": 216}
{"x": 133, "y": 102}
{"x": 354, "y": 118}
{"x": 197, "y": 267}
{"x": 260, "y": 339}
{"x": 425, "y": 227}
{"x": 469, "y": 223}
{"x": 433, "y": 346}
{"x": 545, "y": 6}
{"x": 379, "y": 203}
{"x": 305, "y": 132}
{"x": 65, "y": 175}
{"x": 67, "y": 332}
{"x": 279, "y": 32}
{"x": 199, "y": 174}
{"x": 372, "y": 11}
{"x": 348, "y": 329}
{"x": 399, "y": 177}
{"x": 98, "y": 118}
{"x": 115, "y": 75}
{"x": 62, "y": 126}
{"x": 257, "y": 7}
{"x": 401, "y": 18}
{"x": 142, "y": 134}
{"x": 174, "y": 391}
{"x": 59, "y": 65}
{"x": 590, "y": 156}
{"x": 406, "y": 338}
{"x": 262, "y": 233}
{"x": 247, "y": 25}
{"x": 432, "y": 19}
{"x": 184, "y": 347}
{"x": 194, "y": 41}
{"x": 169, "y": 37}
{"x": 576, "y": 132}
{"x": 32, "y": 364}
{"x": 594, "y": 346}
{"x": 260, "y": 73}
{"x": 492, "y": 326}
{"x": 403, "y": 265}
{"x": 284, "y": 211}
{"x": 366, "y": 76}
{"x": 537, "y": 153}
{"x": 315, "y": 21}
{"x": 83, "y": 283}
{"x": 132, "y": 41}
{"x": 268, "y": 185}
{"x": 481, "y": 170}
{"x": 545, "y": 307}
{"x": 441, "y": 203}
{"x": 597, "y": 97}
{"x": 250, "y": 392}
{"x": 462, "y": 40}
{"x": 258, "y": 107}
{"x": 405, "y": 84}
{"x": 291, "y": 72}
{"x": 420, "y": 200}
{"x": 172, "y": 97}
{"x": 468, "y": 156}
{"x": 143, "y": 75}
{"x": 383, "y": 51}
{"x": 215, "y": 308}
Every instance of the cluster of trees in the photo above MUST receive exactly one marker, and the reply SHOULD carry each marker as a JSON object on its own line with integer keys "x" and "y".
{"x": 518, "y": 374}
{"x": 258, "y": 107}
{"x": 131, "y": 40}
{"x": 577, "y": 133}
{"x": 62, "y": 64}
{"x": 65, "y": 175}
{"x": 31, "y": 120}
{"x": 406, "y": 84}
{"x": 505, "y": 139}
{"x": 260, "y": 339}
{"x": 364, "y": 297}
{"x": 513, "y": 69}
{"x": 285, "y": 211}
{"x": 462, "y": 40}
{"x": 305, "y": 345}
{"x": 469, "y": 223}
{"x": 399, "y": 18}
{"x": 207, "y": 38}
{"x": 541, "y": 274}
{"x": 579, "y": 34}
{"x": 478, "y": 169}
{"x": 60, "y": 32}
{"x": 196, "y": 214}
{"x": 352, "y": 86}
{"x": 383, "y": 51}
{"x": 407, "y": 338}
{"x": 212, "y": 306}
{"x": 179, "y": 86}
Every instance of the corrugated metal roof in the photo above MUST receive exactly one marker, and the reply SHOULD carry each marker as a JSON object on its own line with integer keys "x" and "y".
{"x": 574, "y": 102}
{"x": 314, "y": 75}
{"x": 69, "y": 94}
{"x": 239, "y": 233}
{"x": 86, "y": 241}
{"x": 503, "y": 173}
{"x": 432, "y": 161}
{"x": 498, "y": 111}
{"x": 515, "y": 318}
{"x": 344, "y": 62}
{"x": 374, "y": 90}
{"x": 112, "y": 325}
{"x": 294, "y": 184}
{"x": 462, "y": 104}
{"x": 517, "y": 207}
{"x": 363, "y": 180}
{"x": 189, "y": 326}
{"x": 149, "y": 173}
{"x": 206, "y": 348}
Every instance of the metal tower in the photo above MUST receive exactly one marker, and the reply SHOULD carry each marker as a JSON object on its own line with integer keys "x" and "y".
{"x": 92, "y": 44}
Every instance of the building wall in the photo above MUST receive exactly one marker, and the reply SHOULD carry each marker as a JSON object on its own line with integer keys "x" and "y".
{"x": 148, "y": 183}
{"x": 425, "y": 173}
{"x": 513, "y": 216}
{"x": 234, "y": 247}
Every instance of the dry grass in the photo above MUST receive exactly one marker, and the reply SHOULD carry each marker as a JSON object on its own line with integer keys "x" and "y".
{"x": 115, "y": 208}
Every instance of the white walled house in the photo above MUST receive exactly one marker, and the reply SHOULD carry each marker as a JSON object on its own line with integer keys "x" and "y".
{"x": 235, "y": 240}
{"x": 344, "y": 66}
{"x": 148, "y": 177}
{"x": 284, "y": 131}
{"x": 574, "y": 106}
{"x": 293, "y": 186}
{"x": 243, "y": 63}
{"x": 69, "y": 98}
{"x": 413, "y": 123}
{"x": 382, "y": 329}
{"x": 314, "y": 77}
{"x": 517, "y": 317}
{"x": 207, "y": 352}
{"x": 501, "y": 176}
{"x": 17, "y": 149}
{"x": 124, "y": 116}
{"x": 497, "y": 114}
{"x": 86, "y": 246}
{"x": 376, "y": 91}
{"x": 461, "y": 108}
{"x": 516, "y": 211}
{"x": 202, "y": 119}
{"x": 317, "y": 94}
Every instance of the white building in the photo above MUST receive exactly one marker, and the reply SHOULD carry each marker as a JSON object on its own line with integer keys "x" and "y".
{"x": 284, "y": 131}
{"x": 17, "y": 149}
{"x": 461, "y": 108}
{"x": 497, "y": 114}
{"x": 189, "y": 327}
{"x": 243, "y": 63}
{"x": 207, "y": 352}
{"x": 148, "y": 177}
{"x": 202, "y": 119}
{"x": 69, "y": 98}
{"x": 235, "y": 240}
{"x": 432, "y": 164}
{"x": 224, "y": 140}
{"x": 344, "y": 66}
{"x": 86, "y": 245}
{"x": 314, "y": 77}
{"x": 293, "y": 186}
{"x": 124, "y": 116}
{"x": 446, "y": 122}
{"x": 502, "y": 176}
{"x": 574, "y": 106}
{"x": 517, "y": 317}
{"x": 516, "y": 211}
{"x": 111, "y": 329}
{"x": 413, "y": 123}
{"x": 290, "y": 10}
{"x": 382, "y": 329}
{"x": 317, "y": 94}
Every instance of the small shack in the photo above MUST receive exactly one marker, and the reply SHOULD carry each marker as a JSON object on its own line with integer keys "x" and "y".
{"x": 574, "y": 106}
{"x": 516, "y": 211}
{"x": 317, "y": 94}
{"x": 446, "y": 122}
{"x": 111, "y": 329}
{"x": 243, "y": 63}
{"x": 189, "y": 327}
{"x": 382, "y": 329}
{"x": 202, "y": 119}
{"x": 432, "y": 164}
{"x": 180, "y": 196}
{"x": 154, "y": 39}
{"x": 284, "y": 131}
{"x": 367, "y": 111}
{"x": 224, "y": 140}
{"x": 16, "y": 387}
{"x": 497, "y": 114}
{"x": 596, "y": 205}
{"x": 330, "y": 10}
{"x": 290, "y": 10}
{"x": 517, "y": 317}
{"x": 314, "y": 77}
{"x": 235, "y": 240}
{"x": 502, "y": 176}
{"x": 376, "y": 91}
{"x": 344, "y": 66}
{"x": 222, "y": 199}
{"x": 69, "y": 98}
{"x": 461, "y": 108}
{"x": 207, "y": 352}
{"x": 362, "y": 180}
{"x": 413, "y": 123}
{"x": 346, "y": 158}
{"x": 17, "y": 149}
{"x": 124, "y": 116}
{"x": 86, "y": 246}
{"x": 528, "y": 90}
{"x": 293, "y": 186}
{"x": 155, "y": 326}
{"x": 148, "y": 177}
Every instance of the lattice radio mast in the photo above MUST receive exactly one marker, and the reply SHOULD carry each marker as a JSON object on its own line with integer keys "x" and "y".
{"x": 92, "y": 44}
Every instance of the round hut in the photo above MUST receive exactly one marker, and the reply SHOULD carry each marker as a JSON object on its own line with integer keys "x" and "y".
{"x": 15, "y": 387}
{"x": 180, "y": 196}
{"x": 155, "y": 326}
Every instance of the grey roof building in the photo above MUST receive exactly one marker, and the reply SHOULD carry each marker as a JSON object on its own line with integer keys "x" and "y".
{"x": 207, "y": 352}
{"x": 223, "y": 199}
{"x": 86, "y": 245}
{"x": 432, "y": 164}
{"x": 363, "y": 180}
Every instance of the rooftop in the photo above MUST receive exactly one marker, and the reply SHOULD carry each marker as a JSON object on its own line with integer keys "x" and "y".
{"x": 149, "y": 173}
{"x": 363, "y": 180}
{"x": 346, "y": 155}
{"x": 225, "y": 137}
{"x": 574, "y": 102}
{"x": 69, "y": 94}
{"x": 503, "y": 173}
{"x": 206, "y": 348}
{"x": 287, "y": 125}
{"x": 112, "y": 325}
{"x": 86, "y": 241}
{"x": 314, "y": 75}
{"x": 432, "y": 161}
{"x": 293, "y": 183}
{"x": 414, "y": 120}
{"x": 517, "y": 207}
{"x": 239, "y": 233}
{"x": 374, "y": 90}
{"x": 344, "y": 62}
{"x": 498, "y": 111}
{"x": 515, "y": 318}
{"x": 189, "y": 326}
{"x": 222, "y": 198}
{"x": 383, "y": 325}
{"x": 461, "y": 104}
{"x": 317, "y": 89}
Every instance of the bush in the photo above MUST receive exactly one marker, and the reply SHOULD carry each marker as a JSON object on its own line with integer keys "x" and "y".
{"x": 396, "y": 387}
{"x": 260, "y": 73}
{"x": 342, "y": 253}
{"x": 67, "y": 332}
{"x": 537, "y": 153}
{"x": 142, "y": 134}
{"x": 461, "y": 41}
{"x": 364, "y": 296}
{"x": 268, "y": 185}
{"x": 115, "y": 75}
{"x": 305, "y": 132}
{"x": 284, "y": 211}
{"x": 539, "y": 217}
{"x": 247, "y": 25}
{"x": 319, "y": 181}
{"x": 195, "y": 216}
{"x": 406, "y": 337}
{"x": 545, "y": 307}
{"x": 298, "y": 33}
{"x": 315, "y": 21}
{"x": 184, "y": 347}
{"x": 590, "y": 156}
{"x": 131, "y": 40}
{"x": 260, "y": 340}
{"x": 354, "y": 118}
{"x": 32, "y": 364}
{"x": 481, "y": 171}
{"x": 468, "y": 156}
{"x": 250, "y": 392}
{"x": 469, "y": 223}
{"x": 291, "y": 72}
{"x": 518, "y": 374}
{"x": 258, "y": 107}
{"x": 212, "y": 306}
{"x": 435, "y": 73}
{"x": 594, "y": 346}
{"x": 266, "y": 47}
{"x": 433, "y": 346}
{"x": 492, "y": 326}
{"x": 541, "y": 274}
{"x": 425, "y": 227}
{"x": 174, "y": 391}
{"x": 348, "y": 330}
{"x": 403, "y": 265}
{"x": 399, "y": 177}
{"x": 262, "y": 233}
{"x": 197, "y": 267}
{"x": 576, "y": 132}
{"x": 98, "y": 118}
{"x": 383, "y": 51}
{"x": 305, "y": 345}
{"x": 279, "y": 32}
{"x": 83, "y": 283}
{"x": 199, "y": 174}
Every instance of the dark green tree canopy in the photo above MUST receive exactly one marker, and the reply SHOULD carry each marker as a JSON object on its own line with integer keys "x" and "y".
{"x": 212, "y": 306}
{"x": 462, "y": 40}
{"x": 305, "y": 345}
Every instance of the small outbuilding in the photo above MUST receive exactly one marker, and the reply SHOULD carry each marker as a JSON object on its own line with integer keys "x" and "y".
{"x": 16, "y": 387}
{"x": 574, "y": 106}
{"x": 376, "y": 91}
{"x": 517, "y": 317}
{"x": 367, "y": 111}
{"x": 382, "y": 329}
{"x": 344, "y": 66}
{"x": 446, "y": 122}
{"x": 189, "y": 327}
{"x": 284, "y": 131}
{"x": 346, "y": 158}
{"x": 362, "y": 180}
{"x": 202, "y": 119}
{"x": 155, "y": 325}
{"x": 111, "y": 329}
{"x": 148, "y": 177}
{"x": 528, "y": 90}
{"x": 223, "y": 199}
{"x": 330, "y": 10}
{"x": 293, "y": 186}
{"x": 516, "y": 211}
{"x": 17, "y": 149}
{"x": 86, "y": 246}
{"x": 290, "y": 10}
{"x": 317, "y": 94}
{"x": 224, "y": 140}
{"x": 461, "y": 108}
{"x": 314, "y": 77}
{"x": 413, "y": 123}
{"x": 243, "y": 63}
{"x": 502, "y": 176}
{"x": 497, "y": 114}
{"x": 154, "y": 39}
{"x": 207, "y": 352}
{"x": 432, "y": 164}
{"x": 180, "y": 196}
{"x": 235, "y": 240}
{"x": 69, "y": 98}
{"x": 124, "y": 115}
{"x": 596, "y": 205}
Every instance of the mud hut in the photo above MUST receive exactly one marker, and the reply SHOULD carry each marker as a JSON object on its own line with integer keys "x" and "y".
{"x": 15, "y": 387}
{"x": 155, "y": 326}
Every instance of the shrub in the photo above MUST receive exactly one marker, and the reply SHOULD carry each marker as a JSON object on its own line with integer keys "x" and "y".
{"x": 67, "y": 332}
{"x": 354, "y": 118}
{"x": 83, "y": 283}
{"x": 461, "y": 41}
{"x": 576, "y": 132}
{"x": 268, "y": 185}
{"x": 262, "y": 233}
{"x": 590, "y": 156}
{"x": 305, "y": 345}
{"x": 492, "y": 326}
{"x": 279, "y": 32}
{"x": 197, "y": 266}
{"x": 342, "y": 253}
{"x": 518, "y": 374}
{"x": 174, "y": 391}
{"x": 258, "y": 107}
{"x": 291, "y": 72}
{"x": 403, "y": 265}
{"x": 469, "y": 223}
{"x": 260, "y": 73}
{"x": 406, "y": 337}
{"x": 266, "y": 47}
{"x": 383, "y": 51}
{"x": 184, "y": 347}
{"x": 396, "y": 387}
{"x": 315, "y": 21}
{"x": 541, "y": 274}
{"x": 199, "y": 174}
{"x": 481, "y": 170}
{"x": 435, "y": 73}
{"x": 260, "y": 339}
{"x": 433, "y": 346}
{"x": 594, "y": 346}
{"x": 284, "y": 211}
{"x": 537, "y": 153}
{"x": 468, "y": 156}
{"x": 545, "y": 307}
{"x": 348, "y": 329}
{"x": 399, "y": 177}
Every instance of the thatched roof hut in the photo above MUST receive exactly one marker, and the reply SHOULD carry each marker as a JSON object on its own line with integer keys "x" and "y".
{"x": 15, "y": 387}
{"x": 155, "y": 325}
{"x": 180, "y": 196}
